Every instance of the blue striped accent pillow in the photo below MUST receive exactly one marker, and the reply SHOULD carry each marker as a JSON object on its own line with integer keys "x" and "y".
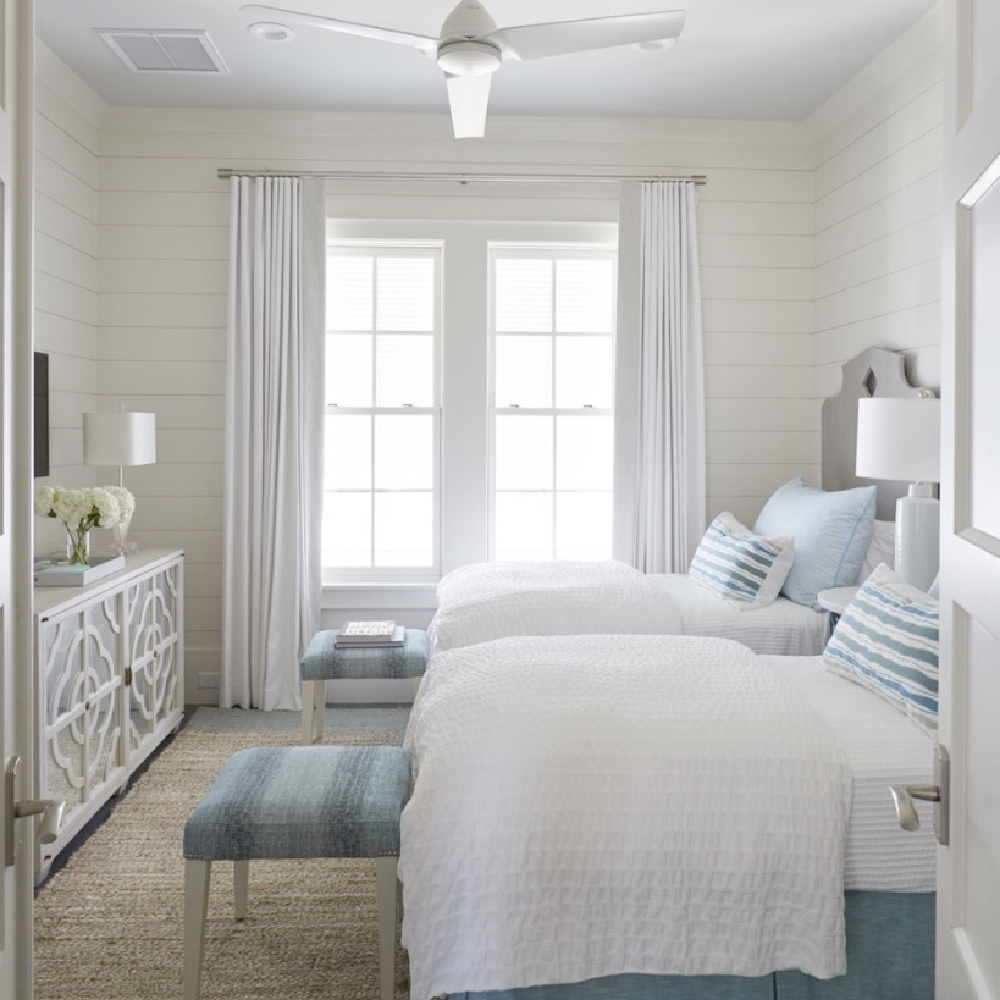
{"x": 745, "y": 569}
{"x": 887, "y": 641}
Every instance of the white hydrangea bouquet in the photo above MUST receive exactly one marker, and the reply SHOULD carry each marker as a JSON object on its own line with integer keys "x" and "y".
{"x": 83, "y": 509}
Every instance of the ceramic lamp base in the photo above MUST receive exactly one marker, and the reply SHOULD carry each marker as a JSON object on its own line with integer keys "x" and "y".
{"x": 918, "y": 520}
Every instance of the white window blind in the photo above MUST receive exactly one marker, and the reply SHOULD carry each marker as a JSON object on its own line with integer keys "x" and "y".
{"x": 552, "y": 330}
{"x": 381, "y": 442}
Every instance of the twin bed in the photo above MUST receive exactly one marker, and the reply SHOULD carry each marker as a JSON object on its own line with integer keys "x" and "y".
{"x": 613, "y": 798}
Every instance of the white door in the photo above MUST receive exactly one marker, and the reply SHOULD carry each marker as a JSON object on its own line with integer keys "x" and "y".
{"x": 968, "y": 927}
{"x": 16, "y": 41}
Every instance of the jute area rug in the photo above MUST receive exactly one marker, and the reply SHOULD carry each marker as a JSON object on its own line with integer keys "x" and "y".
{"x": 110, "y": 924}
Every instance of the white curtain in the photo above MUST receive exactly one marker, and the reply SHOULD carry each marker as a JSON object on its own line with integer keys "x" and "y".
{"x": 659, "y": 483}
{"x": 274, "y": 439}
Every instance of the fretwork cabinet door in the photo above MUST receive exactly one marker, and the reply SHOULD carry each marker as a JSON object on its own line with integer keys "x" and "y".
{"x": 155, "y": 672}
{"x": 81, "y": 726}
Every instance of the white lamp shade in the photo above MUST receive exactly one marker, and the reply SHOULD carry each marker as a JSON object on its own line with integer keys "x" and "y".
{"x": 899, "y": 439}
{"x": 119, "y": 438}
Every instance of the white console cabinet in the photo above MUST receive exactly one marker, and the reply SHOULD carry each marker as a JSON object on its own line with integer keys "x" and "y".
{"x": 110, "y": 683}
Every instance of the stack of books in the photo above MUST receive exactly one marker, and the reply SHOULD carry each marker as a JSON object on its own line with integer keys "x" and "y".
{"x": 364, "y": 634}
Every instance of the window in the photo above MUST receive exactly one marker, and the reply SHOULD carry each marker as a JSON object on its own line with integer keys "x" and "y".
{"x": 381, "y": 453}
{"x": 469, "y": 375}
{"x": 553, "y": 314}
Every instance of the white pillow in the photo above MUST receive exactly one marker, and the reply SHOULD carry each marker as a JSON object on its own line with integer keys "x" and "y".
{"x": 881, "y": 549}
{"x": 744, "y": 569}
{"x": 832, "y": 531}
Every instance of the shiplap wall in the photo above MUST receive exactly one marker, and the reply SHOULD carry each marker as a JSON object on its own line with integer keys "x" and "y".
{"x": 67, "y": 118}
{"x": 163, "y": 281}
{"x": 878, "y": 210}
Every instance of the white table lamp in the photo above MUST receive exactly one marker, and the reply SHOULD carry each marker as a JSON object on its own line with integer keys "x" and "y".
{"x": 900, "y": 440}
{"x": 119, "y": 438}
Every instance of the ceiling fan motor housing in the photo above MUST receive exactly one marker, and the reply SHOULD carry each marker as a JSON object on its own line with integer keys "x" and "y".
{"x": 468, "y": 58}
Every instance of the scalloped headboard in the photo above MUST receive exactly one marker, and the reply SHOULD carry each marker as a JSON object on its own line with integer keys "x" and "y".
{"x": 874, "y": 372}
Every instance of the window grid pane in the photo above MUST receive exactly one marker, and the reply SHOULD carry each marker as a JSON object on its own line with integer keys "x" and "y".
{"x": 349, "y": 369}
{"x": 349, "y": 286}
{"x": 523, "y": 295}
{"x": 404, "y": 294}
{"x": 584, "y": 296}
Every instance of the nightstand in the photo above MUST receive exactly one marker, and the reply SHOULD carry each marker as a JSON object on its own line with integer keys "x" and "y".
{"x": 835, "y": 600}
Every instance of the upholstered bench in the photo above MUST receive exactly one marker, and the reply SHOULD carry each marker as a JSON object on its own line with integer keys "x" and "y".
{"x": 323, "y": 662}
{"x": 296, "y": 802}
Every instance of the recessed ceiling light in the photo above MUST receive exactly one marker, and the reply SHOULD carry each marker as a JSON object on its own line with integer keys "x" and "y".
{"x": 271, "y": 31}
{"x": 655, "y": 45}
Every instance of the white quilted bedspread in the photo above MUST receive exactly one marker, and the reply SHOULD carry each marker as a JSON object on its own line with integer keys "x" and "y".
{"x": 585, "y": 806}
{"x": 491, "y": 600}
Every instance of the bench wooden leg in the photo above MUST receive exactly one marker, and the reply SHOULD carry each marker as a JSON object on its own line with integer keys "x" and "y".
{"x": 197, "y": 875}
{"x": 319, "y": 709}
{"x": 385, "y": 891}
{"x": 241, "y": 882}
{"x": 313, "y": 711}
{"x": 308, "y": 705}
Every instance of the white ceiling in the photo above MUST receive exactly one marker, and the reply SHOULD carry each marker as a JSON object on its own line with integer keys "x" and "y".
{"x": 736, "y": 59}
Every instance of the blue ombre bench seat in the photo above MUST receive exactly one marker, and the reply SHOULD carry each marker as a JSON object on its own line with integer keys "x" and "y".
{"x": 323, "y": 662}
{"x": 296, "y": 802}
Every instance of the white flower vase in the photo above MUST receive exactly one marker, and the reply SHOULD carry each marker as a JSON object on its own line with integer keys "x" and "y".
{"x": 78, "y": 547}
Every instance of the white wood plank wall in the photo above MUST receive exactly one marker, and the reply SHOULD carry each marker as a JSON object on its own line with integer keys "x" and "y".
{"x": 67, "y": 119}
{"x": 878, "y": 210}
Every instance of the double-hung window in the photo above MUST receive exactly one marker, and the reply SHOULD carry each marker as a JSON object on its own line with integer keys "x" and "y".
{"x": 552, "y": 313}
{"x": 383, "y": 323}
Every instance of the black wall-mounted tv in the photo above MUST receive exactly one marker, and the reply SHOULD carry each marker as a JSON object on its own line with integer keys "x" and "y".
{"x": 41, "y": 414}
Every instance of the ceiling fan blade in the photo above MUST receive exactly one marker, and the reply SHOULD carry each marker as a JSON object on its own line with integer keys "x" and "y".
{"x": 468, "y": 97}
{"x": 534, "y": 41}
{"x": 422, "y": 42}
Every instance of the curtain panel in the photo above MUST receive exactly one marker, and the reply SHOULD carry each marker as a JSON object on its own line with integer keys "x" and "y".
{"x": 272, "y": 580}
{"x": 659, "y": 478}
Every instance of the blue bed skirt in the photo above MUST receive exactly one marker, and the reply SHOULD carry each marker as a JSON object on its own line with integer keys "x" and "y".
{"x": 890, "y": 956}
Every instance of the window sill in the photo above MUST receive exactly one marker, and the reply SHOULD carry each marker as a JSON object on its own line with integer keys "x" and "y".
{"x": 415, "y": 595}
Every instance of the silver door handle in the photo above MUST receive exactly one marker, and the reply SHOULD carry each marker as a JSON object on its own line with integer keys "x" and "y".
{"x": 938, "y": 793}
{"x": 903, "y": 796}
{"x": 51, "y": 811}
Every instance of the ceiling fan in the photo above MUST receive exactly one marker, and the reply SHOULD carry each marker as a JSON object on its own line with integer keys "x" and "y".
{"x": 471, "y": 47}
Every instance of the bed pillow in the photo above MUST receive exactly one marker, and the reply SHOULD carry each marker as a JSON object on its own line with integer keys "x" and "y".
{"x": 742, "y": 568}
{"x": 887, "y": 641}
{"x": 881, "y": 549}
{"x": 832, "y": 531}
{"x": 935, "y": 588}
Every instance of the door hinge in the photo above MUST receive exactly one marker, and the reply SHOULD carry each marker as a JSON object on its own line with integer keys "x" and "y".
{"x": 128, "y": 677}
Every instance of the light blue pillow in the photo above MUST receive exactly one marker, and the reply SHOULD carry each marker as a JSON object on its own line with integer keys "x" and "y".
{"x": 887, "y": 641}
{"x": 935, "y": 588}
{"x": 744, "y": 569}
{"x": 832, "y": 531}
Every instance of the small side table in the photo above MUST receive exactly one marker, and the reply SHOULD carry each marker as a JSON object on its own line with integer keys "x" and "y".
{"x": 835, "y": 600}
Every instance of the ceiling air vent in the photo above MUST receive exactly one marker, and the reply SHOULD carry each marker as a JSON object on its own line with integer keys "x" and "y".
{"x": 165, "y": 51}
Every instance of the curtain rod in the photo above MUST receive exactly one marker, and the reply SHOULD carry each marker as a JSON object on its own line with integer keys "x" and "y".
{"x": 462, "y": 178}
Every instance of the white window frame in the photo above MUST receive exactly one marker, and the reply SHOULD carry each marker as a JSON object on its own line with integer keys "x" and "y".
{"x": 383, "y": 575}
{"x": 555, "y": 251}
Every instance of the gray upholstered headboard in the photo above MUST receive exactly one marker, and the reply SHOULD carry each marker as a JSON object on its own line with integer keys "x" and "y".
{"x": 874, "y": 372}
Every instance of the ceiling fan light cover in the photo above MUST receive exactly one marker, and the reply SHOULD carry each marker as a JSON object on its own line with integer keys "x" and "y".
{"x": 468, "y": 58}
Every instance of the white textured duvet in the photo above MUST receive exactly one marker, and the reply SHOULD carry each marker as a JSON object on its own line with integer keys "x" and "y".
{"x": 591, "y": 805}
{"x": 485, "y": 601}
